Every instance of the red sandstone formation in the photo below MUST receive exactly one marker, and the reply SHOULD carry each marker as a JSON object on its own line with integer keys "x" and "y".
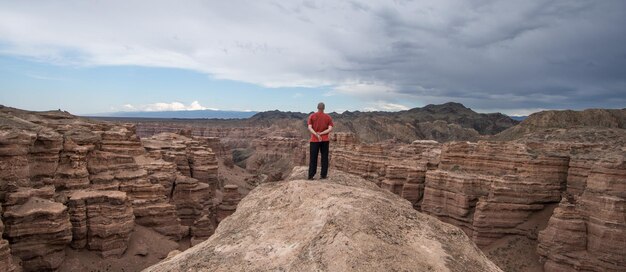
{"x": 202, "y": 229}
{"x": 101, "y": 221}
{"x": 395, "y": 166}
{"x": 7, "y": 264}
{"x": 494, "y": 190}
{"x": 192, "y": 156}
{"x": 192, "y": 199}
{"x": 66, "y": 179}
{"x": 229, "y": 202}
{"x": 491, "y": 190}
{"x": 38, "y": 232}
{"x": 276, "y": 155}
{"x": 588, "y": 229}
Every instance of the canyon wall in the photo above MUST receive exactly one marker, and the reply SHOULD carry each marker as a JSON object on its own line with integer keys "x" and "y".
{"x": 498, "y": 190}
{"x": 72, "y": 182}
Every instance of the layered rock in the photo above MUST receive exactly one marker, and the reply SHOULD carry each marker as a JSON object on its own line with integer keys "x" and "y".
{"x": 398, "y": 167}
{"x": 366, "y": 160}
{"x": 491, "y": 188}
{"x": 203, "y": 164}
{"x": 111, "y": 171}
{"x": 230, "y": 200}
{"x": 159, "y": 171}
{"x": 122, "y": 140}
{"x": 101, "y": 221}
{"x": 192, "y": 156}
{"x": 103, "y": 173}
{"x": 413, "y": 188}
{"x": 43, "y": 159}
{"x": 344, "y": 139}
{"x": 7, "y": 263}
{"x": 589, "y": 232}
{"x": 202, "y": 229}
{"x": 38, "y": 231}
{"x": 342, "y": 224}
{"x": 192, "y": 199}
{"x": 579, "y": 169}
{"x": 14, "y": 147}
{"x": 395, "y": 177}
{"x": 276, "y": 155}
{"x": 172, "y": 149}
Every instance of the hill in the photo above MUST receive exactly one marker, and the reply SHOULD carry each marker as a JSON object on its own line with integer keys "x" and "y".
{"x": 341, "y": 224}
{"x": 583, "y": 126}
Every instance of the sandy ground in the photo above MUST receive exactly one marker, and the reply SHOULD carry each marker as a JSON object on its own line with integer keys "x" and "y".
{"x": 142, "y": 241}
{"x": 235, "y": 175}
{"x": 516, "y": 253}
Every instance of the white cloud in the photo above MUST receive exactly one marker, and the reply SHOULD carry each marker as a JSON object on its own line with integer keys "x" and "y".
{"x": 385, "y": 106}
{"x": 161, "y": 106}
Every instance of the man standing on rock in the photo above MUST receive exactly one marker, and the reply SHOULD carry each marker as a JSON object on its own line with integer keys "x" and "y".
{"x": 320, "y": 125}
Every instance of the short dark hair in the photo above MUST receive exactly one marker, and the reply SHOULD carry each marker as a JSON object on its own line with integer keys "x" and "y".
{"x": 321, "y": 106}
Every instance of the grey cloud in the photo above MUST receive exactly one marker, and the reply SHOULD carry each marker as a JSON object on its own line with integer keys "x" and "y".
{"x": 486, "y": 54}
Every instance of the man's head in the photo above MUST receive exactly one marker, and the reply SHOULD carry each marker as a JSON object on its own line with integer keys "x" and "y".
{"x": 321, "y": 106}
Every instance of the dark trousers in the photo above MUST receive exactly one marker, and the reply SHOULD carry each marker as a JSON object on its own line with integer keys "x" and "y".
{"x": 314, "y": 150}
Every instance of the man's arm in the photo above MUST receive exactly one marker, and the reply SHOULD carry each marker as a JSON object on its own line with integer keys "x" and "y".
{"x": 328, "y": 130}
{"x": 319, "y": 136}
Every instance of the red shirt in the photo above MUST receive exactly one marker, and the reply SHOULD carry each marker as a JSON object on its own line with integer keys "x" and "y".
{"x": 319, "y": 121}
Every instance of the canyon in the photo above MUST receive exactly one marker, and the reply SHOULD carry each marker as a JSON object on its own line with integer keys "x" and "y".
{"x": 547, "y": 194}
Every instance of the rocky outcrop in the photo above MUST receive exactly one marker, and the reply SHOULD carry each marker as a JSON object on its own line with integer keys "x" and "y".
{"x": 193, "y": 157}
{"x": 112, "y": 171}
{"x": 588, "y": 232}
{"x": 341, "y": 224}
{"x": 230, "y": 200}
{"x": 344, "y": 139}
{"x": 101, "y": 221}
{"x": 7, "y": 264}
{"x": 14, "y": 148}
{"x": 192, "y": 199}
{"x": 276, "y": 156}
{"x": 38, "y": 231}
{"x": 491, "y": 188}
{"x": 202, "y": 229}
{"x": 397, "y": 167}
{"x": 102, "y": 172}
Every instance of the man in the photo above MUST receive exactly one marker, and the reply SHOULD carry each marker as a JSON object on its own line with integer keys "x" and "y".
{"x": 320, "y": 125}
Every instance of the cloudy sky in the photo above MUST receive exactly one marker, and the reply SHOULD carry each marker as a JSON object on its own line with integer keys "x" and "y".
{"x": 514, "y": 57}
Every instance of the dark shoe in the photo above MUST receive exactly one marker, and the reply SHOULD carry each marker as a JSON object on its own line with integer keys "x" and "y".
{"x": 323, "y": 177}
{"x": 310, "y": 178}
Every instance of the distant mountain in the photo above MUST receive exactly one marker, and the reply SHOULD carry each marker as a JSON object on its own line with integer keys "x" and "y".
{"x": 518, "y": 118}
{"x": 444, "y": 122}
{"x": 190, "y": 114}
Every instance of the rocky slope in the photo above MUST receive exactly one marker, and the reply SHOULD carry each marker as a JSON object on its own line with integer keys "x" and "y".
{"x": 342, "y": 224}
{"x": 569, "y": 125}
